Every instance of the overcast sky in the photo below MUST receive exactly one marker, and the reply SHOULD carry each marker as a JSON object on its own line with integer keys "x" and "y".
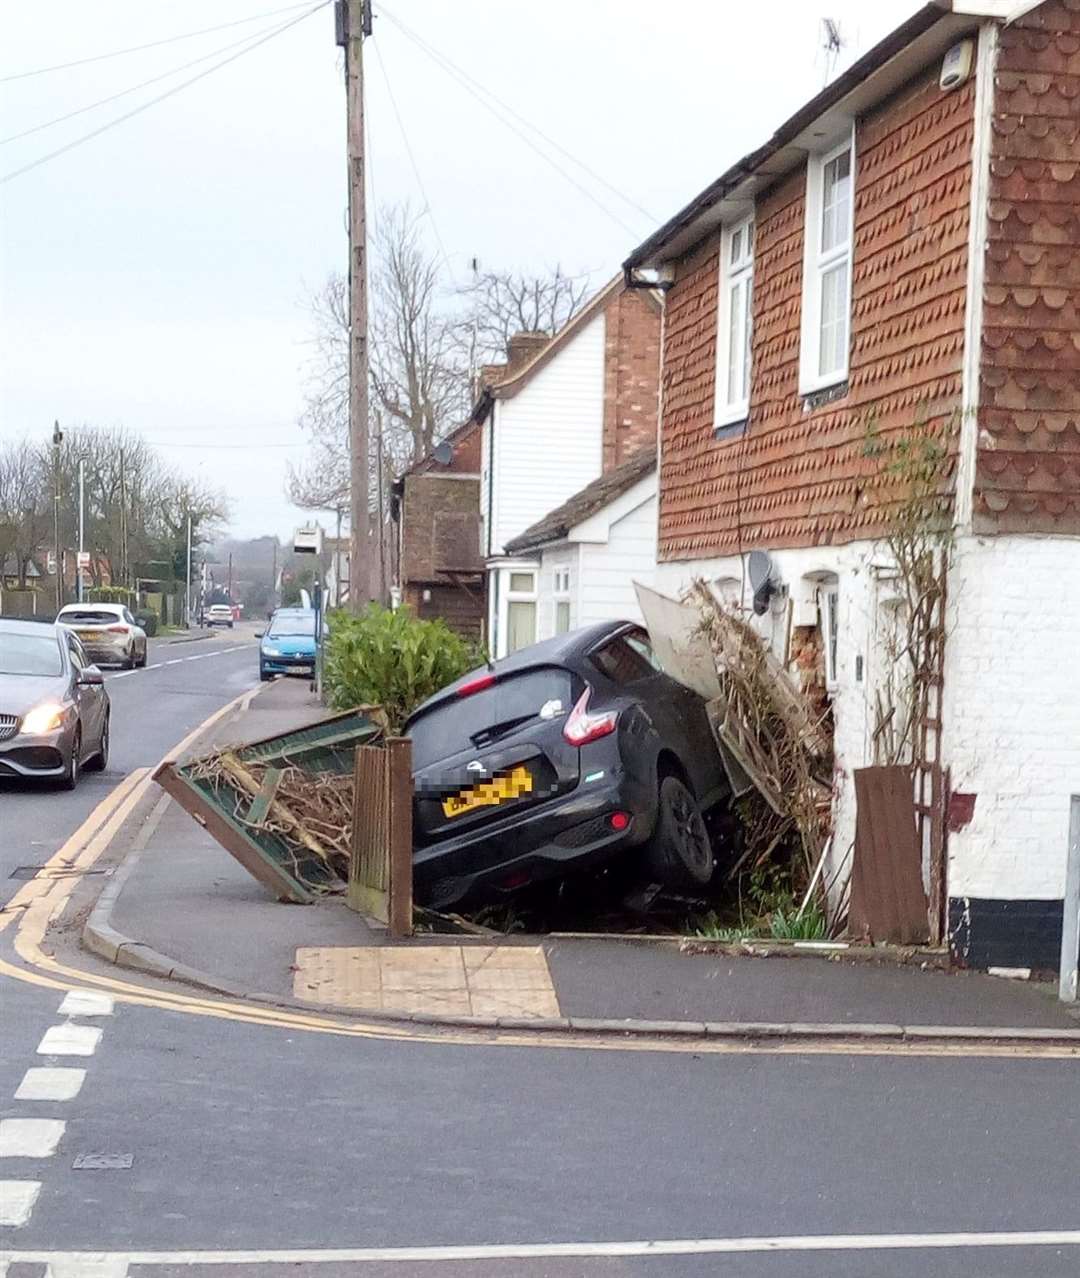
{"x": 154, "y": 277}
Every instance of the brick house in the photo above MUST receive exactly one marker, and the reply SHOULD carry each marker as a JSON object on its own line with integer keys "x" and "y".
{"x": 436, "y": 504}
{"x": 564, "y": 411}
{"x": 903, "y": 256}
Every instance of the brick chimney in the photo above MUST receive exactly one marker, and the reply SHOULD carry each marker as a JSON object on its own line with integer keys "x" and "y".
{"x": 631, "y": 375}
{"x": 522, "y": 347}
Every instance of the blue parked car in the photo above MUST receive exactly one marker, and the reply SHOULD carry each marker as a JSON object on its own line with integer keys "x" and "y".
{"x": 288, "y": 645}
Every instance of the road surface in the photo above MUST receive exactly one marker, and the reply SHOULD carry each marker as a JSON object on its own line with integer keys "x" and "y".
{"x": 270, "y": 1148}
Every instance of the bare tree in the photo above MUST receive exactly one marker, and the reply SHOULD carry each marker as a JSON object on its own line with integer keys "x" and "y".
{"x": 25, "y": 505}
{"x": 499, "y": 304}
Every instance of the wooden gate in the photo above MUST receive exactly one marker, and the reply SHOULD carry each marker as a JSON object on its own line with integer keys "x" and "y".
{"x": 380, "y": 865}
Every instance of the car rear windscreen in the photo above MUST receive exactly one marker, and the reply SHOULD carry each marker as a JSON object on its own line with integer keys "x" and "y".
{"x": 30, "y": 655}
{"x": 88, "y": 617}
{"x": 480, "y": 719}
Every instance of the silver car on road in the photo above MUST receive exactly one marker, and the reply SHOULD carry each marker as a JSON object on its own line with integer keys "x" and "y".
{"x": 109, "y": 633}
{"x": 54, "y": 710}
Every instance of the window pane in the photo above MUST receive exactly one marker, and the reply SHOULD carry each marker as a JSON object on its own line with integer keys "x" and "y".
{"x": 736, "y": 245}
{"x": 747, "y": 326}
{"x": 835, "y": 202}
{"x": 735, "y": 343}
{"x": 521, "y": 626}
{"x": 562, "y": 616}
{"x": 622, "y": 663}
{"x": 832, "y": 631}
{"x": 834, "y": 319}
{"x": 522, "y": 581}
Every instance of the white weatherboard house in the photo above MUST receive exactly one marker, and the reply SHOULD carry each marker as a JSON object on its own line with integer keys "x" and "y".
{"x": 590, "y": 550}
{"x": 566, "y": 411}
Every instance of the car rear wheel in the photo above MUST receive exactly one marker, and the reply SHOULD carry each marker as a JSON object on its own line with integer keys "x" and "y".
{"x": 132, "y": 659}
{"x": 101, "y": 760}
{"x": 142, "y": 659}
{"x": 679, "y": 853}
{"x": 70, "y": 778}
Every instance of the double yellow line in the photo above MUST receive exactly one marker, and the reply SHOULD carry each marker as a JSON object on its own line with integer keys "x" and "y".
{"x": 44, "y": 899}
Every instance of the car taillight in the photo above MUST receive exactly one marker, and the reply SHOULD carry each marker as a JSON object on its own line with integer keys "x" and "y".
{"x": 581, "y": 727}
{"x": 118, "y": 630}
{"x": 476, "y": 685}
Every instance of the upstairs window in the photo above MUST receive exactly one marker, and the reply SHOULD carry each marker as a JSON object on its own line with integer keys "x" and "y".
{"x": 826, "y": 303}
{"x": 735, "y": 317}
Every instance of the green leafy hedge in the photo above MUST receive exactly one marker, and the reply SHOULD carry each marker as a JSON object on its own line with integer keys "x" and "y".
{"x": 391, "y": 659}
{"x": 148, "y": 619}
{"x": 113, "y": 595}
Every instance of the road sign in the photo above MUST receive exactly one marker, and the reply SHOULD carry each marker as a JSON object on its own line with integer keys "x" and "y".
{"x": 84, "y": 559}
{"x": 51, "y": 564}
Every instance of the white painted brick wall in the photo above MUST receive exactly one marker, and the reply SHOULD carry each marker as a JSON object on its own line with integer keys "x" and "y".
{"x": 1012, "y": 712}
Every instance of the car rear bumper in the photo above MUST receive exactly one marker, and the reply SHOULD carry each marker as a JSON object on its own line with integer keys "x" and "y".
{"x": 567, "y": 834}
{"x": 106, "y": 652}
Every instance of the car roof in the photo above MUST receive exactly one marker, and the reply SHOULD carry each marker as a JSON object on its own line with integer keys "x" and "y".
{"x": 21, "y": 626}
{"x": 91, "y": 605}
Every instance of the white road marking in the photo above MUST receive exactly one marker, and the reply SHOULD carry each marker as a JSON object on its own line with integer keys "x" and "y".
{"x": 553, "y": 1251}
{"x": 87, "y": 1003}
{"x": 30, "y": 1137}
{"x": 17, "y": 1198}
{"x": 175, "y": 661}
{"x": 156, "y": 666}
{"x": 106, "y": 1268}
{"x": 50, "y": 1084}
{"x": 123, "y": 674}
{"x": 70, "y": 1040}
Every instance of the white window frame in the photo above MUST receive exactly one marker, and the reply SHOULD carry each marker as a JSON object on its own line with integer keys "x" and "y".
{"x": 510, "y": 596}
{"x": 728, "y": 409}
{"x": 560, "y": 594}
{"x": 829, "y": 597}
{"x": 817, "y": 263}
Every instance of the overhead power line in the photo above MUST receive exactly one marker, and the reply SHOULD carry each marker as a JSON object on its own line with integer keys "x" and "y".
{"x": 134, "y": 88}
{"x": 428, "y": 209}
{"x": 153, "y": 44}
{"x": 161, "y": 97}
{"x": 481, "y": 92}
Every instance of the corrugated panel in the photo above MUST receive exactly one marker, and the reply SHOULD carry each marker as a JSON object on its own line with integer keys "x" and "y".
{"x": 1028, "y": 465}
{"x": 888, "y": 904}
{"x": 799, "y": 477}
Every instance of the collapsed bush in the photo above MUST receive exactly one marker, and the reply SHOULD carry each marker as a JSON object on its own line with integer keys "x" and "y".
{"x": 391, "y": 659}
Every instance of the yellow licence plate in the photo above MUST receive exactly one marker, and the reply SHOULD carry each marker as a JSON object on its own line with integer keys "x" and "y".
{"x": 90, "y": 634}
{"x": 489, "y": 793}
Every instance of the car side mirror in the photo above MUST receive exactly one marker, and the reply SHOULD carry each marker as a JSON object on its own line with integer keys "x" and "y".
{"x": 91, "y": 677}
{"x": 259, "y": 634}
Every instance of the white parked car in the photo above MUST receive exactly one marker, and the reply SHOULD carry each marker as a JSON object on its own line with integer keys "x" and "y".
{"x": 220, "y": 615}
{"x": 108, "y": 632}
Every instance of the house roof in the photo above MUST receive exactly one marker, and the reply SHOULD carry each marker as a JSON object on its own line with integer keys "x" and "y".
{"x": 454, "y": 438}
{"x": 593, "y": 497}
{"x": 879, "y": 72}
{"x": 508, "y": 386}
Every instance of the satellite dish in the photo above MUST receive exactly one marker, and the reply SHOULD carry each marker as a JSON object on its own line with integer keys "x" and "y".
{"x": 443, "y": 452}
{"x": 764, "y": 580}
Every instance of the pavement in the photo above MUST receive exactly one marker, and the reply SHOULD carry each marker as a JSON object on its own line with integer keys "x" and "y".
{"x": 150, "y": 1130}
{"x": 183, "y": 905}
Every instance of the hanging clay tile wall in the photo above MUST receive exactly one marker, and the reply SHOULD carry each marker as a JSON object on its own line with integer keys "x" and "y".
{"x": 801, "y": 476}
{"x": 1028, "y": 465}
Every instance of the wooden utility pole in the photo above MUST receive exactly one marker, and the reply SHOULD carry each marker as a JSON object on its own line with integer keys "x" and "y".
{"x": 351, "y": 16}
{"x": 57, "y": 439}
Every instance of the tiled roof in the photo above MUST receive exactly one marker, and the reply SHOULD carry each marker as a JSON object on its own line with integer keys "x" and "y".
{"x": 593, "y": 497}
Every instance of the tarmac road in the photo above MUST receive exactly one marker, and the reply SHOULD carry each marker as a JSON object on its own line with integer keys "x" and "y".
{"x": 270, "y": 1148}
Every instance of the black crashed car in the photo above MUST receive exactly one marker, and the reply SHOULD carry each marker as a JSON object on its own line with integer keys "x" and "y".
{"x": 558, "y": 758}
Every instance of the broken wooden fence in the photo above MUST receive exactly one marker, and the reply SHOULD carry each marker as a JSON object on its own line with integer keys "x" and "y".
{"x": 380, "y": 867}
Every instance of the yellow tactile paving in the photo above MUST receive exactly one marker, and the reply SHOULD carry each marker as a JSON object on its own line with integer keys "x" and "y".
{"x": 459, "y": 980}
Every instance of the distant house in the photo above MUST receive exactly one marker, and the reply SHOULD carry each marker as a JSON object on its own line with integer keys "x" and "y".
{"x": 566, "y": 410}
{"x": 590, "y": 550}
{"x": 437, "y": 509}
{"x": 903, "y": 256}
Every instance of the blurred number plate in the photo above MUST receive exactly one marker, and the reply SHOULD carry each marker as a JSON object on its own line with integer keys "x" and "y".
{"x": 489, "y": 793}
{"x": 90, "y": 634}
